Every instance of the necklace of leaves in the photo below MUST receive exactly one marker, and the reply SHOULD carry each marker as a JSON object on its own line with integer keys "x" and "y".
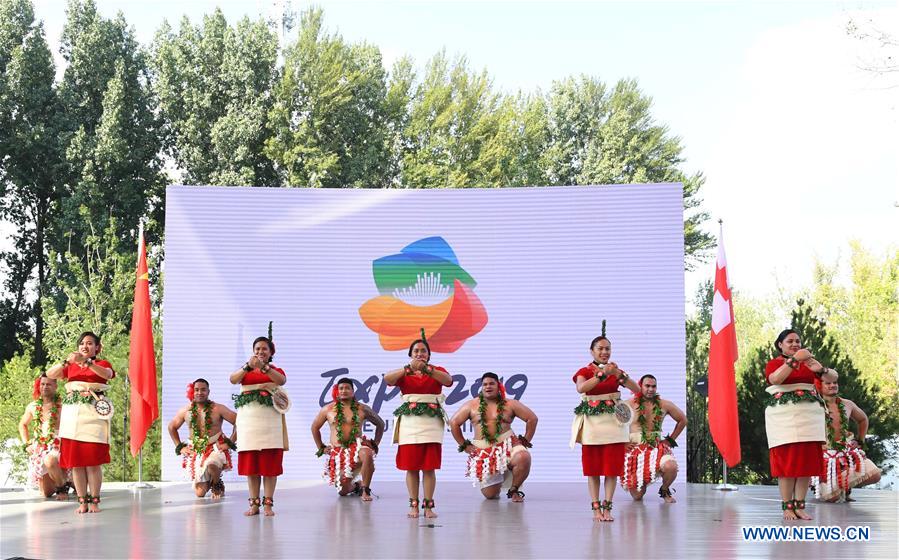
{"x": 354, "y": 433}
{"x": 37, "y": 420}
{"x": 844, "y": 422}
{"x": 482, "y": 411}
{"x": 200, "y": 440}
{"x": 657, "y": 413}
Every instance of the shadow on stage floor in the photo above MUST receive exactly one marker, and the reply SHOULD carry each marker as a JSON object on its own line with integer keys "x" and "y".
{"x": 312, "y": 522}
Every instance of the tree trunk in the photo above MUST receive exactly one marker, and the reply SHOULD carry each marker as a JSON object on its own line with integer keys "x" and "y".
{"x": 40, "y": 358}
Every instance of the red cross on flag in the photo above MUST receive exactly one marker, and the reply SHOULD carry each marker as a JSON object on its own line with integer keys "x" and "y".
{"x": 723, "y": 418}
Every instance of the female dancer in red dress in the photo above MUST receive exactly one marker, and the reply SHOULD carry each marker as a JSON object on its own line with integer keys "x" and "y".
{"x": 420, "y": 426}
{"x": 84, "y": 423}
{"x": 261, "y": 429}
{"x": 602, "y": 437}
{"x": 794, "y": 422}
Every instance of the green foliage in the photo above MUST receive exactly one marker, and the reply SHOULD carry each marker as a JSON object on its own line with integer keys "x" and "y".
{"x": 862, "y": 317}
{"x": 30, "y": 161}
{"x": 214, "y": 88}
{"x": 329, "y": 115}
{"x": 16, "y": 378}
{"x": 112, "y": 137}
{"x": 451, "y": 136}
{"x": 704, "y": 463}
{"x": 96, "y": 294}
{"x": 752, "y": 398}
{"x": 597, "y": 136}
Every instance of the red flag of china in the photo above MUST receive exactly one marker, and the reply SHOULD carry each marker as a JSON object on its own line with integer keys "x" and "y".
{"x": 723, "y": 418}
{"x": 142, "y": 358}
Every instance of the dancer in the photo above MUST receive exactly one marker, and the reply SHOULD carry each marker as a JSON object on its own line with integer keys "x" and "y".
{"x": 601, "y": 435}
{"x": 261, "y": 426}
{"x": 794, "y": 422}
{"x": 845, "y": 464}
{"x": 497, "y": 457}
{"x": 350, "y": 455}
{"x": 208, "y": 452}
{"x": 648, "y": 455}
{"x": 85, "y": 418}
{"x": 39, "y": 428}
{"x": 419, "y": 424}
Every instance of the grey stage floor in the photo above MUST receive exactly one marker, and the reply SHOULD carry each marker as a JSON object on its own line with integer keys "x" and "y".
{"x": 312, "y": 522}
{"x": 716, "y": 519}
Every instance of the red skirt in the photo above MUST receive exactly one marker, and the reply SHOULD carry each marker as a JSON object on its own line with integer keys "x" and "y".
{"x": 265, "y": 462}
{"x": 805, "y": 458}
{"x": 73, "y": 453}
{"x": 419, "y": 456}
{"x": 603, "y": 460}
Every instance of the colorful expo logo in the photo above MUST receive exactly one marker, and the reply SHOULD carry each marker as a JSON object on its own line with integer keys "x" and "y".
{"x": 423, "y": 286}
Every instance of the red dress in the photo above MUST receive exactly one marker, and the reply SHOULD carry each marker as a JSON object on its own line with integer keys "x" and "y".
{"x": 74, "y": 453}
{"x": 419, "y": 456}
{"x": 608, "y": 459}
{"x": 805, "y": 458}
{"x": 260, "y": 462}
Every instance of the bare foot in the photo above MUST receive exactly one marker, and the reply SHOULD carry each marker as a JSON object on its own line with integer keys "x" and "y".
{"x": 597, "y": 511}
{"x": 267, "y": 507}
{"x": 93, "y": 508}
{"x": 665, "y": 494}
{"x": 515, "y": 494}
{"x": 607, "y": 513}
{"x": 413, "y": 508}
{"x": 790, "y": 515}
{"x": 60, "y": 497}
{"x": 218, "y": 489}
{"x": 428, "y": 507}
{"x": 800, "y": 513}
{"x": 254, "y": 507}
{"x": 366, "y": 494}
{"x": 82, "y": 507}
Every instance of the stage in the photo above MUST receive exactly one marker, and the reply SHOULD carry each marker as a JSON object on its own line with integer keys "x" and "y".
{"x": 312, "y": 522}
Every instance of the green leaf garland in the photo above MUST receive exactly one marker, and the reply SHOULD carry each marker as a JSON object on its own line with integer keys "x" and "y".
{"x": 76, "y": 397}
{"x": 600, "y": 407}
{"x": 482, "y": 411}
{"x": 794, "y": 397}
{"x": 419, "y": 409}
{"x": 839, "y": 445}
{"x": 354, "y": 433}
{"x": 37, "y": 421}
{"x": 651, "y": 437}
{"x": 260, "y": 396}
{"x": 199, "y": 439}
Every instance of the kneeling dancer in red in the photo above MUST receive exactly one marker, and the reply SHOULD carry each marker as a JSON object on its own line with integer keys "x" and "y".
{"x": 649, "y": 455}
{"x": 350, "y": 462}
{"x": 208, "y": 452}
